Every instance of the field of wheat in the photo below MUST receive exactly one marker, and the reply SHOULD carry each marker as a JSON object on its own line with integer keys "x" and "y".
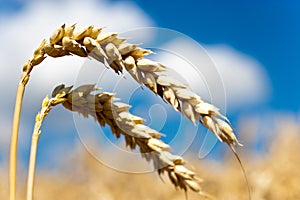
{"x": 273, "y": 175}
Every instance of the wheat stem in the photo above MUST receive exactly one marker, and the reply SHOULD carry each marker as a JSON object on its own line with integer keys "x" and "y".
{"x": 14, "y": 136}
{"x": 14, "y": 143}
{"x": 32, "y": 164}
{"x": 46, "y": 107}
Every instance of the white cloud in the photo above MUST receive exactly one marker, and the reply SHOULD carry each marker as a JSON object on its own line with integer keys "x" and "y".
{"x": 23, "y": 31}
{"x": 218, "y": 73}
{"x": 245, "y": 80}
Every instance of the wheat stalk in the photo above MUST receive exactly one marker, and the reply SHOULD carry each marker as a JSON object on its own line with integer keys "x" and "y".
{"x": 14, "y": 135}
{"x": 46, "y": 107}
{"x": 111, "y": 50}
{"x": 102, "y": 107}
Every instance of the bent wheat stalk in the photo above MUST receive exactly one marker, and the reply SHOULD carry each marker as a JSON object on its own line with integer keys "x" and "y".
{"x": 15, "y": 130}
{"x": 111, "y": 50}
{"x": 101, "y": 107}
{"x": 46, "y": 107}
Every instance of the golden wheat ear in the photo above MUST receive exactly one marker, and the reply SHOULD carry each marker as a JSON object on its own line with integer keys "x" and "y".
{"x": 90, "y": 102}
{"x": 120, "y": 55}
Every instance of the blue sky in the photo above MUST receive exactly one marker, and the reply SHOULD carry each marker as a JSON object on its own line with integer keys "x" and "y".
{"x": 266, "y": 30}
{"x": 262, "y": 35}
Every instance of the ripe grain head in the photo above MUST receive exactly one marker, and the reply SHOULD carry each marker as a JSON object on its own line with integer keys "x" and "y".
{"x": 120, "y": 55}
{"x": 90, "y": 102}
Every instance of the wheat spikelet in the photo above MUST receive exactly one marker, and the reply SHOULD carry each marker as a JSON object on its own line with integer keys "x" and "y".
{"x": 102, "y": 107}
{"x": 119, "y": 55}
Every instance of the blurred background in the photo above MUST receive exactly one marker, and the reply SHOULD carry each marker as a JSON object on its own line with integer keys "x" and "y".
{"x": 255, "y": 49}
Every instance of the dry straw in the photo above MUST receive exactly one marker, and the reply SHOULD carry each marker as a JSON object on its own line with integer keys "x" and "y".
{"x": 120, "y": 55}
{"x": 88, "y": 101}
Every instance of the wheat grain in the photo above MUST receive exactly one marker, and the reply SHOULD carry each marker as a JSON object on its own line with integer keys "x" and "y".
{"x": 102, "y": 107}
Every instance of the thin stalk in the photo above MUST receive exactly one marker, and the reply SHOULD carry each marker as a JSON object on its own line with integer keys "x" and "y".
{"x": 46, "y": 107}
{"x": 32, "y": 163}
{"x": 14, "y": 136}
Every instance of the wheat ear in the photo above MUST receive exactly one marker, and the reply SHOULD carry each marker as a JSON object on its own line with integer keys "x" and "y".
{"x": 101, "y": 107}
{"x": 119, "y": 55}
{"x": 88, "y": 101}
{"x": 46, "y": 107}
